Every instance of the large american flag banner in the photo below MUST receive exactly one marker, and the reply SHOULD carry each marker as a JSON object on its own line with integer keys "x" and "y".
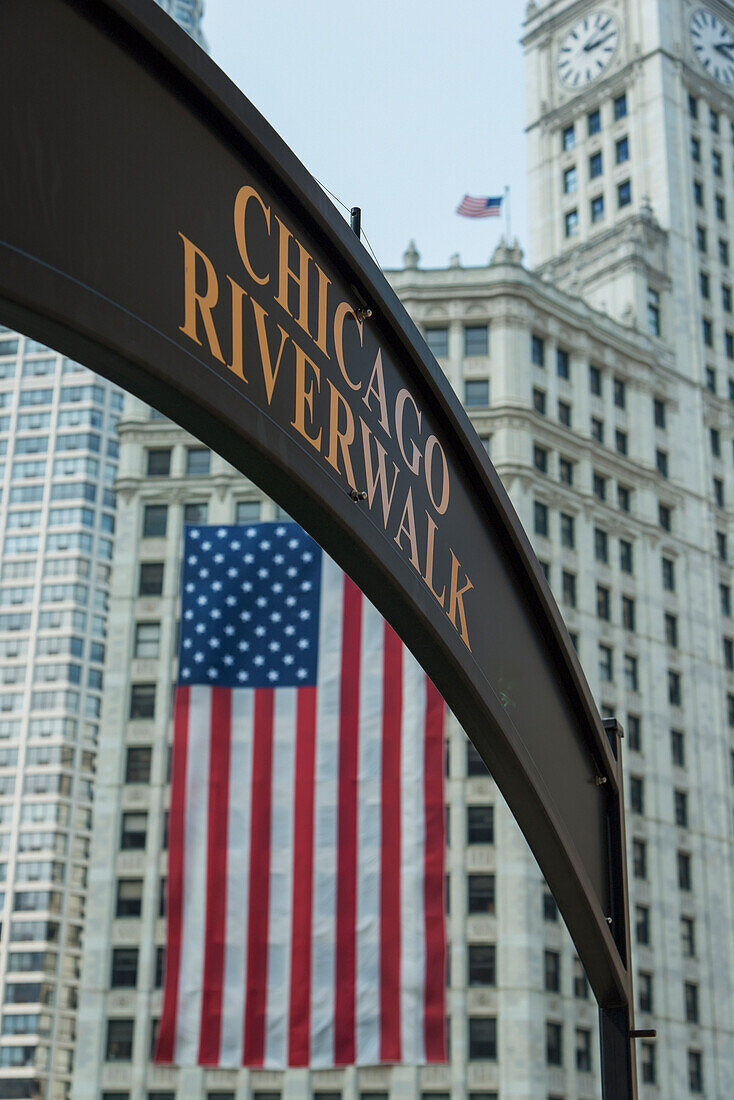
{"x": 306, "y": 834}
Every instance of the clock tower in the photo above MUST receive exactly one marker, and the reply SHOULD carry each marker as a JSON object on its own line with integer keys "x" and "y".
{"x": 630, "y": 145}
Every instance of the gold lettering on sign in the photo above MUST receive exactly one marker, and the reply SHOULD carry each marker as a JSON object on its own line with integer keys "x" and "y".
{"x": 237, "y": 365}
{"x": 240, "y": 213}
{"x": 270, "y": 372}
{"x": 344, "y": 310}
{"x": 428, "y": 575}
{"x": 414, "y": 462}
{"x": 304, "y": 396}
{"x": 378, "y": 389}
{"x": 195, "y": 301}
{"x": 380, "y": 478}
{"x": 299, "y": 277}
{"x": 431, "y": 444}
{"x": 321, "y": 414}
{"x": 407, "y": 527}
{"x": 340, "y": 440}
{"x": 456, "y": 600}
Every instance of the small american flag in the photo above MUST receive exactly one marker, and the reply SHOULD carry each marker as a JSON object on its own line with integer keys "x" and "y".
{"x": 481, "y": 206}
{"x": 306, "y": 838}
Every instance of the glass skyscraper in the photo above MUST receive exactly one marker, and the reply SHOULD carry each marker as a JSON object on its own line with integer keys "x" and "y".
{"x": 58, "y": 463}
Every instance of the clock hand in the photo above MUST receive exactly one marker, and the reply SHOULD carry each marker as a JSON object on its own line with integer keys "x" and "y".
{"x": 597, "y": 42}
{"x": 725, "y": 48}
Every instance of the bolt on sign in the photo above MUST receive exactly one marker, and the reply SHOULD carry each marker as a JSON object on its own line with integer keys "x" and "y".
{"x": 155, "y": 227}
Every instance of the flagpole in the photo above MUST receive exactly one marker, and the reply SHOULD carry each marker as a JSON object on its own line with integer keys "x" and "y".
{"x": 507, "y": 217}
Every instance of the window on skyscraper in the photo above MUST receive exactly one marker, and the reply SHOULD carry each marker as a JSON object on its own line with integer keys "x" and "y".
{"x": 606, "y": 668}
{"x": 645, "y": 991}
{"x": 639, "y": 859}
{"x": 601, "y": 545}
{"x": 142, "y": 701}
{"x": 119, "y": 1046}
{"x": 716, "y": 163}
{"x": 637, "y": 794}
{"x": 622, "y": 150}
{"x": 124, "y": 971}
{"x": 595, "y": 165}
{"x": 680, "y": 808}
{"x": 571, "y": 223}
{"x": 568, "y": 137}
{"x": 129, "y": 897}
{"x": 158, "y": 462}
{"x": 482, "y": 964}
{"x": 602, "y": 602}
{"x": 677, "y": 748}
{"x": 155, "y": 520}
{"x": 695, "y": 1071}
{"x": 624, "y": 193}
{"x": 688, "y": 937}
{"x": 568, "y": 531}
{"x": 554, "y": 1043}
{"x": 480, "y": 824}
{"x": 570, "y": 180}
{"x": 661, "y": 462}
{"x": 595, "y": 381}
{"x": 480, "y": 894}
{"x": 482, "y": 1038}
{"x": 198, "y": 461}
{"x": 476, "y": 392}
{"x": 593, "y": 122}
{"x": 583, "y": 1049}
{"x": 642, "y": 924}
{"x": 648, "y": 1063}
{"x": 690, "y": 996}
{"x": 552, "y": 971}
{"x": 684, "y": 871}
{"x": 540, "y": 518}
{"x": 564, "y": 413}
{"x": 537, "y": 350}
{"x": 476, "y": 340}
{"x": 196, "y": 512}
{"x": 438, "y": 341}
{"x": 137, "y": 764}
{"x": 151, "y": 578}
{"x": 568, "y": 588}
{"x": 133, "y": 831}
{"x": 596, "y": 209}
{"x": 620, "y": 106}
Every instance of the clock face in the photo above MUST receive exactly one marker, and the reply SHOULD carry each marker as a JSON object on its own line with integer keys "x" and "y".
{"x": 714, "y": 45}
{"x": 587, "y": 49}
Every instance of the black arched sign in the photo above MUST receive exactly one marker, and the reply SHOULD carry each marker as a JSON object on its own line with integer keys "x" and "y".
{"x": 154, "y": 227}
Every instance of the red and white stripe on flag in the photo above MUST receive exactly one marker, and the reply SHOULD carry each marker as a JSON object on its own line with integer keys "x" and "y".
{"x": 306, "y": 921}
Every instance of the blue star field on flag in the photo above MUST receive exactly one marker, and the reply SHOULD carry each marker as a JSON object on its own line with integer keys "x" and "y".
{"x": 250, "y": 606}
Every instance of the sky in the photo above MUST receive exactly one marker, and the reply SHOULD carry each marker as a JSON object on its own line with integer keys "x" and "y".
{"x": 398, "y": 106}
